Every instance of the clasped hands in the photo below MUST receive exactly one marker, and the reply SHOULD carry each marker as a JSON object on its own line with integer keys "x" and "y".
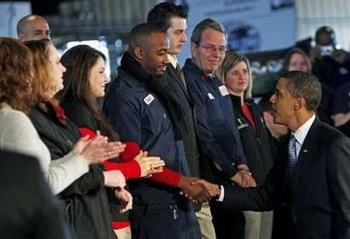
{"x": 243, "y": 178}
{"x": 200, "y": 190}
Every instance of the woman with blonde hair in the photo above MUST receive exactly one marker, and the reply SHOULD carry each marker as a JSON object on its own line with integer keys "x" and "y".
{"x": 255, "y": 137}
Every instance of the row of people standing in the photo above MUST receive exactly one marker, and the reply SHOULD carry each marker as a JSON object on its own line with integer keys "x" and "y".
{"x": 212, "y": 147}
{"x": 162, "y": 111}
{"x": 196, "y": 124}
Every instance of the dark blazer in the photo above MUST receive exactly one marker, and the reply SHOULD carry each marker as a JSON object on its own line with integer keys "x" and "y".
{"x": 86, "y": 196}
{"x": 319, "y": 194}
{"x": 27, "y": 206}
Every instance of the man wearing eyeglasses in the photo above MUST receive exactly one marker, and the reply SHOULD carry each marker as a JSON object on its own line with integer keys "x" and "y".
{"x": 222, "y": 157}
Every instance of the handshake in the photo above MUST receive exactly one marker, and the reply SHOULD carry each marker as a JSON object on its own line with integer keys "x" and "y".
{"x": 198, "y": 190}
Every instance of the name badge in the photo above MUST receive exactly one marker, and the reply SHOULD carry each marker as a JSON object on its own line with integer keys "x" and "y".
{"x": 211, "y": 97}
{"x": 241, "y": 124}
{"x": 223, "y": 90}
{"x": 148, "y": 99}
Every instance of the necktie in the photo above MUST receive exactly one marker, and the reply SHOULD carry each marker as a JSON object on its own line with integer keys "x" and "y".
{"x": 180, "y": 74}
{"x": 292, "y": 154}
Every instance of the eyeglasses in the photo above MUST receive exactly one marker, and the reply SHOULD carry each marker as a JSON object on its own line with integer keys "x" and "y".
{"x": 212, "y": 49}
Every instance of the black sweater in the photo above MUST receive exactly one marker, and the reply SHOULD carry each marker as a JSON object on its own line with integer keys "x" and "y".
{"x": 257, "y": 143}
{"x": 85, "y": 199}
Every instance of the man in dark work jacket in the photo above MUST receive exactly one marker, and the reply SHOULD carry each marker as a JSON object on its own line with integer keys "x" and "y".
{"x": 138, "y": 109}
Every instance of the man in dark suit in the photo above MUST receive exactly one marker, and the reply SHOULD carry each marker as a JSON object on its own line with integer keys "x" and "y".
{"x": 27, "y": 206}
{"x": 311, "y": 174}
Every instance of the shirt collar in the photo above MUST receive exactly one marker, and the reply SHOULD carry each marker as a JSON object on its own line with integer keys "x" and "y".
{"x": 173, "y": 60}
{"x": 301, "y": 132}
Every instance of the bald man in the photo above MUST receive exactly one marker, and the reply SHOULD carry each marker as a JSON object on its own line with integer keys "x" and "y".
{"x": 33, "y": 27}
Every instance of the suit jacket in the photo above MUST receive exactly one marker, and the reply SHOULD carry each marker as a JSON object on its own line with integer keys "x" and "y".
{"x": 27, "y": 206}
{"x": 319, "y": 194}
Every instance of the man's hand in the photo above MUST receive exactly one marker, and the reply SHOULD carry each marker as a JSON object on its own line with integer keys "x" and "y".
{"x": 192, "y": 191}
{"x": 213, "y": 189}
{"x": 244, "y": 179}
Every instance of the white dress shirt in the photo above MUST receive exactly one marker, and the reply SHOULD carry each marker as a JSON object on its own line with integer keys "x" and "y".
{"x": 301, "y": 133}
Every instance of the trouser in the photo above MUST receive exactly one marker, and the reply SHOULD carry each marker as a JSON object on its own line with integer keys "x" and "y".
{"x": 123, "y": 233}
{"x": 205, "y": 221}
{"x": 258, "y": 225}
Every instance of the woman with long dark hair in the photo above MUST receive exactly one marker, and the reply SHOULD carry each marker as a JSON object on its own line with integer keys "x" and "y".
{"x": 84, "y": 86}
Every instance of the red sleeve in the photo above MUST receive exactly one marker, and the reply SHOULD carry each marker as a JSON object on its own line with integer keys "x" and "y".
{"x": 167, "y": 177}
{"x": 132, "y": 149}
{"x": 120, "y": 224}
{"x": 130, "y": 169}
{"x": 87, "y": 131}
